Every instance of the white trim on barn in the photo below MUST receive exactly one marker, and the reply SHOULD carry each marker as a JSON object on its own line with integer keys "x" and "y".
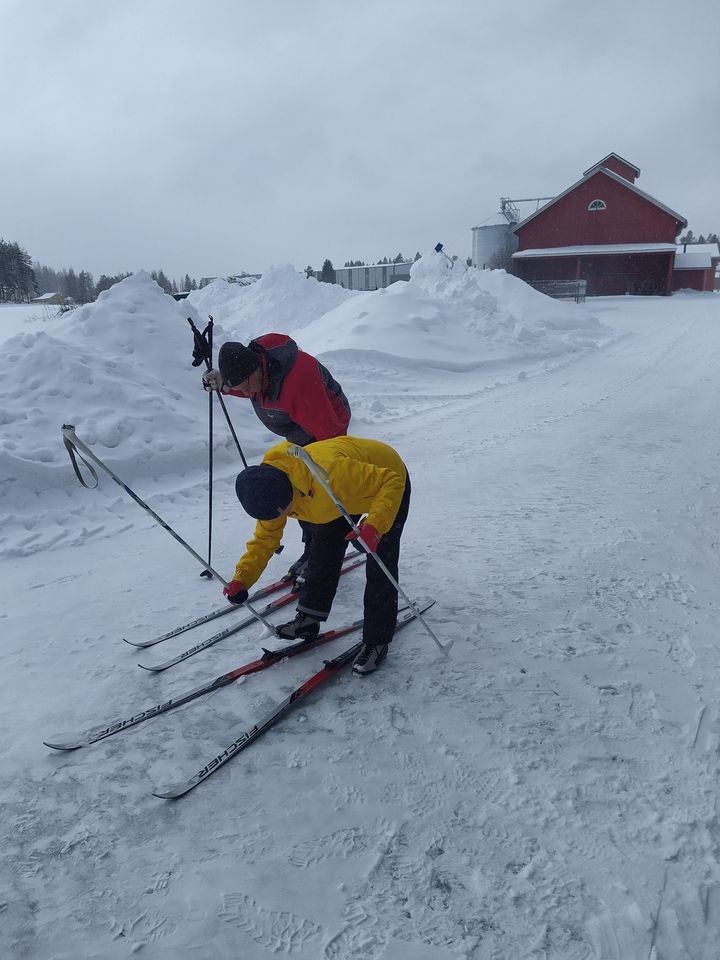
{"x": 603, "y": 249}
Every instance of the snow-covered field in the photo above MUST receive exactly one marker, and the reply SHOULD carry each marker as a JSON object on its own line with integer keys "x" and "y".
{"x": 547, "y": 791}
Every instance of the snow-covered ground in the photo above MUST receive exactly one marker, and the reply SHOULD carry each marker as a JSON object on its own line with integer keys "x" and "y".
{"x": 548, "y": 790}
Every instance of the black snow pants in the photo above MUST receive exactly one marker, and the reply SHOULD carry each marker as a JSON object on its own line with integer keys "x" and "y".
{"x": 322, "y": 572}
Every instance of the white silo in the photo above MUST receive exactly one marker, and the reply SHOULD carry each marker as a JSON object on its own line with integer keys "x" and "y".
{"x": 492, "y": 241}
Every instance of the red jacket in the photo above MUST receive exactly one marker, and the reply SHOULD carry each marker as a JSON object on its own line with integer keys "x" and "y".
{"x": 300, "y": 399}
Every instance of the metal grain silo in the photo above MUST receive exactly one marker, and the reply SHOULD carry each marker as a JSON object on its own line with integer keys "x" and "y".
{"x": 491, "y": 242}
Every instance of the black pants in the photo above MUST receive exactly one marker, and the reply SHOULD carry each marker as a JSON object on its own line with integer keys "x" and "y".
{"x": 325, "y": 555}
{"x": 307, "y": 535}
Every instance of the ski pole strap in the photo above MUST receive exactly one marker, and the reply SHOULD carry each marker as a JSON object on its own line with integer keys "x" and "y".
{"x": 202, "y": 351}
{"x": 73, "y": 453}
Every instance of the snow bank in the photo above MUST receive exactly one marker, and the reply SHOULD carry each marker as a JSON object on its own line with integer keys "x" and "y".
{"x": 456, "y": 319}
{"x": 120, "y": 371}
{"x": 281, "y": 300}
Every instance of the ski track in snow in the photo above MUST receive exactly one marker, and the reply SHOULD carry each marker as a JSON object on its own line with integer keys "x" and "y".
{"x": 548, "y": 791}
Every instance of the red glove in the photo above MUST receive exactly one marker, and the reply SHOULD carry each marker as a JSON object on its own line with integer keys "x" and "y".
{"x": 369, "y": 536}
{"x": 235, "y": 592}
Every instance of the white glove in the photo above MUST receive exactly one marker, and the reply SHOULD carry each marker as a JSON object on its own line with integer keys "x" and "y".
{"x": 212, "y": 380}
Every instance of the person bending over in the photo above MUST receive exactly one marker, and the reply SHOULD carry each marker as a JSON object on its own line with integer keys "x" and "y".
{"x": 371, "y": 481}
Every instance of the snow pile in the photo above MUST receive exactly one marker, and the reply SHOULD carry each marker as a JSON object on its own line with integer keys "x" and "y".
{"x": 281, "y": 300}
{"x": 457, "y": 318}
{"x": 120, "y": 371}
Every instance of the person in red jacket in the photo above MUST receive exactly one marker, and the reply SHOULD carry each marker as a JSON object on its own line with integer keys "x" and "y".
{"x": 292, "y": 394}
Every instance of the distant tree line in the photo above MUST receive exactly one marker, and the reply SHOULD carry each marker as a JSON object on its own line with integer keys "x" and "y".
{"x": 82, "y": 288}
{"x": 690, "y": 237}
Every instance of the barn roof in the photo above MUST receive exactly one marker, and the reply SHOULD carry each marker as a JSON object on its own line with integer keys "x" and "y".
{"x": 611, "y": 156}
{"x": 613, "y": 176}
{"x": 696, "y": 256}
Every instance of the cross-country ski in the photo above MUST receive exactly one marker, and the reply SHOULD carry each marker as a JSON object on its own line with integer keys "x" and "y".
{"x": 282, "y": 584}
{"x": 331, "y": 667}
{"x": 271, "y": 607}
{"x": 73, "y": 741}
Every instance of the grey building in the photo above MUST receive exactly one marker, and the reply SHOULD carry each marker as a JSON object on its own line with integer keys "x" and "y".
{"x": 373, "y": 277}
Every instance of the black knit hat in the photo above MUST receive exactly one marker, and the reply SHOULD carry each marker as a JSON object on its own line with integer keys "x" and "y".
{"x": 263, "y": 490}
{"x": 236, "y": 362}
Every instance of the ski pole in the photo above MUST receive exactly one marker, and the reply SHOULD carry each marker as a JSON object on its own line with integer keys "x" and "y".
{"x": 323, "y": 479}
{"x": 73, "y": 444}
{"x": 208, "y": 360}
{"x": 200, "y": 353}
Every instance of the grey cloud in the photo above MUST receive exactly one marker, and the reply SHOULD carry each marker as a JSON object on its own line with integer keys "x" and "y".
{"x": 229, "y": 136}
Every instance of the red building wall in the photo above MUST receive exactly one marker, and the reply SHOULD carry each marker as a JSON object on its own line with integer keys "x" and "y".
{"x": 703, "y": 280}
{"x": 629, "y": 218}
{"x": 622, "y": 169}
{"x": 607, "y": 275}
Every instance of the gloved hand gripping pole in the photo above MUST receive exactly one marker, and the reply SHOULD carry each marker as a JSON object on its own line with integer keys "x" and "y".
{"x": 202, "y": 353}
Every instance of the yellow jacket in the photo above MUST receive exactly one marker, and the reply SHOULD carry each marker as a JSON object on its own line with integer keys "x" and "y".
{"x": 367, "y": 477}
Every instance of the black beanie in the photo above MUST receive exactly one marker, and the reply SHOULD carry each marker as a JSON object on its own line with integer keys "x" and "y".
{"x": 237, "y": 362}
{"x": 263, "y": 490}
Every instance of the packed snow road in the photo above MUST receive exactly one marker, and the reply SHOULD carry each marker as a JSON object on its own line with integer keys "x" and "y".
{"x": 549, "y": 790}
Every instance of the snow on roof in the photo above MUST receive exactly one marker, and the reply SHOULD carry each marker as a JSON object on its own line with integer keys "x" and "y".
{"x": 614, "y": 176}
{"x": 696, "y": 256}
{"x": 600, "y": 249}
{"x": 45, "y": 296}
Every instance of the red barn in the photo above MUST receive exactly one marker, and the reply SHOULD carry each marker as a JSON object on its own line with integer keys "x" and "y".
{"x": 606, "y": 231}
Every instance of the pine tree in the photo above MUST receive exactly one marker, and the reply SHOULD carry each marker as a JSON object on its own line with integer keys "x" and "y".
{"x": 70, "y": 286}
{"x": 85, "y": 287}
{"x": 48, "y": 280}
{"x": 309, "y": 272}
{"x": 17, "y": 277}
{"x": 328, "y": 275}
{"x": 104, "y": 283}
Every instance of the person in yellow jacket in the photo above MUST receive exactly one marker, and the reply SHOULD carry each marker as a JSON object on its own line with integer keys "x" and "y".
{"x": 370, "y": 479}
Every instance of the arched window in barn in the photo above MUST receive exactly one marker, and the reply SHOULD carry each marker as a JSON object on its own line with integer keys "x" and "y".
{"x": 597, "y": 205}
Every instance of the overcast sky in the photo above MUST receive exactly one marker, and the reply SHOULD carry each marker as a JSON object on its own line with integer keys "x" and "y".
{"x": 225, "y": 136}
